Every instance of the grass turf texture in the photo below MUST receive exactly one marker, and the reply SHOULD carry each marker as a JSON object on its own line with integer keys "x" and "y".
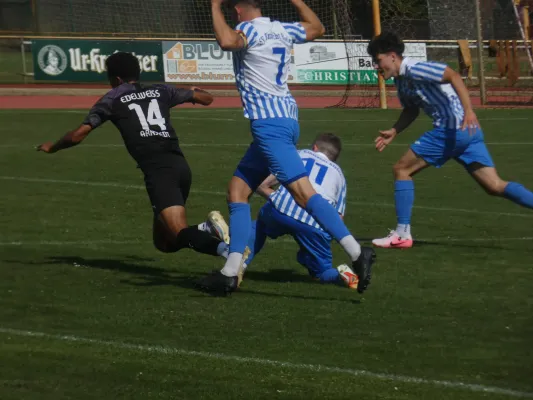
{"x": 457, "y": 310}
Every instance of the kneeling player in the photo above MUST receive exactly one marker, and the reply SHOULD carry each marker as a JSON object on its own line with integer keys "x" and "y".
{"x": 142, "y": 115}
{"x": 282, "y": 216}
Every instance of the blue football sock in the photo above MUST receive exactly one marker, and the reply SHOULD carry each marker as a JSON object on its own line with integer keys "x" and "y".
{"x": 326, "y": 215}
{"x": 240, "y": 226}
{"x": 329, "y": 275}
{"x": 404, "y": 197}
{"x": 518, "y": 194}
{"x": 256, "y": 241}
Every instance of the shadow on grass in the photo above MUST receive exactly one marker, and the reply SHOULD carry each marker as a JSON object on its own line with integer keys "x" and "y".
{"x": 148, "y": 276}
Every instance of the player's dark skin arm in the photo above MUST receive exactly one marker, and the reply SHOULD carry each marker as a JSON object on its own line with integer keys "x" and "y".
{"x": 70, "y": 139}
{"x": 202, "y": 97}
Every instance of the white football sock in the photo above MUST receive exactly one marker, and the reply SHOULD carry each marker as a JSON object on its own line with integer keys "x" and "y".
{"x": 223, "y": 249}
{"x": 233, "y": 263}
{"x": 404, "y": 230}
{"x": 350, "y": 246}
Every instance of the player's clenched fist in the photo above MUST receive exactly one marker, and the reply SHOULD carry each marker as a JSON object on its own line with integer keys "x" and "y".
{"x": 217, "y": 2}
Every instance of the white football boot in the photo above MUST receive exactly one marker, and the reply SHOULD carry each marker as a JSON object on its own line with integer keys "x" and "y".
{"x": 348, "y": 276}
{"x": 394, "y": 241}
{"x": 219, "y": 227}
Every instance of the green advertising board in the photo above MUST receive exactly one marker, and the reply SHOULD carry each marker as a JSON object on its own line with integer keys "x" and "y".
{"x": 84, "y": 60}
{"x": 339, "y": 77}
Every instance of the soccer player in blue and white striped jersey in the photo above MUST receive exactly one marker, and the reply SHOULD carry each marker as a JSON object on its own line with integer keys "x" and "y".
{"x": 281, "y": 215}
{"x": 441, "y": 93}
{"x": 261, "y": 52}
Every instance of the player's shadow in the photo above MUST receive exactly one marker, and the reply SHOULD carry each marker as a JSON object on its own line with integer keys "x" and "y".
{"x": 110, "y": 264}
{"x": 246, "y": 291}
{"x": 277, "y": 275}
{"x": 190, "y": 283}
{"x": 146, "y": 276}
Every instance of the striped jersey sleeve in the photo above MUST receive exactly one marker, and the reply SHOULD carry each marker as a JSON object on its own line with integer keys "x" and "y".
{"x": 427, "y": 71}
{"x": 341, "y": 202}
{"x": 296, "y": 31}
{"x": 249, "y": 32}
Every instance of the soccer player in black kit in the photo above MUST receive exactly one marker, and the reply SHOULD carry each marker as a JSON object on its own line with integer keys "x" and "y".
{"x": 142, "y": 115}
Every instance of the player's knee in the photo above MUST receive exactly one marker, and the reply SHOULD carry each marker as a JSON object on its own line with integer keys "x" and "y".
{"x": 399, "y": 171}
{"x": 234, "y": 195}
{"x": 495, "y": 187}
{"x": 174, "y": 229}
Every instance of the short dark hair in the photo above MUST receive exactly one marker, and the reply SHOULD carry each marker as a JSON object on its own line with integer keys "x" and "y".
{"x": 124, "y": 66}
{"x": 387, "y": 42}
{"x": 251, "y": 3}
{"x": 329, "y": 144}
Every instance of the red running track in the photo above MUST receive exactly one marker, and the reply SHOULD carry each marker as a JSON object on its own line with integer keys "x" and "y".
{"x": 85, "y": 102}
{"x": 72, "y": 102}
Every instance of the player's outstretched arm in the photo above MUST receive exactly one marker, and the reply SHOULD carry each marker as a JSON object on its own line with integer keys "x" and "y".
{"x": 70, "y": 139}
{"x": 227, "y": 38}
{"x": 470, "y": 120}
{"x": 407, "y": 117}
{"x": 309, "y": 20}
{"x": 201, "y": 97}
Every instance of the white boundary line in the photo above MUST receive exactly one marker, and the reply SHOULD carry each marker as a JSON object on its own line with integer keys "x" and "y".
{"x": 215, "y": 193}
{"x": 157, "y": 349}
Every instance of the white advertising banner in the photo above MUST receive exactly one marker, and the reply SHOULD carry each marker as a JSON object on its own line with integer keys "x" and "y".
{"x": 330, "y": 63}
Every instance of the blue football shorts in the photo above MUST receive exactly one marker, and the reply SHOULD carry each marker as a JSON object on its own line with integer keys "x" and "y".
{"x": 439, "y": 145}
{"x": 273, "y": 151}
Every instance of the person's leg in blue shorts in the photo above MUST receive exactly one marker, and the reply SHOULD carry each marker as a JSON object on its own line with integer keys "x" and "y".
{"x": 479, "y": 164}
{"x": 435, "y": 148}
{"x": 315, "y": 254}
{"x": 315, "y": 244}
{"x": 274, "y": 151}
{"x": 431, "y": 148}
{"x": 277, "y": 140}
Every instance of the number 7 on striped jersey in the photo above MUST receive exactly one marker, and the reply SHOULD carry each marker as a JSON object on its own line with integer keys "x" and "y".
{"x": 281, "y": 52}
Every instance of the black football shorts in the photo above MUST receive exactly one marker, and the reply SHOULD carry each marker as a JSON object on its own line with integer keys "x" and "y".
{"x": 168, "y": 182}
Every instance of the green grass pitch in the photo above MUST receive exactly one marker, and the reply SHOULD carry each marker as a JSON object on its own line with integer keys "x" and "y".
{"x": 90, "y": 310}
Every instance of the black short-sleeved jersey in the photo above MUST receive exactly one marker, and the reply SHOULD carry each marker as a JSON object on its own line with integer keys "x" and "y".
{"x": 142, "y": 115}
